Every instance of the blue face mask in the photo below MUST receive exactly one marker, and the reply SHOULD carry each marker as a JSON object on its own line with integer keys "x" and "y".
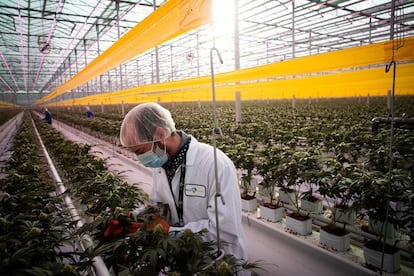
{"x": 154, "y": 160}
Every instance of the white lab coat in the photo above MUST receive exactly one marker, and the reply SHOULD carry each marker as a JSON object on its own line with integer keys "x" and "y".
{"x": 199, "y": 194}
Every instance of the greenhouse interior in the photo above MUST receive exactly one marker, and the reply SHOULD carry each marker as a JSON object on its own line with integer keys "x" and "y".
{"x": 295, "y": 129}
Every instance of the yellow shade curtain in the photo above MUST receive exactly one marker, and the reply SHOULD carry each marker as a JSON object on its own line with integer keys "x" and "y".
{"x": 6, "y": 104}
{"x": 330, "y": 74}
{"x": 341, "y": 59}
{"x": 173, "y": 18}
{"x": 370, "y": 81}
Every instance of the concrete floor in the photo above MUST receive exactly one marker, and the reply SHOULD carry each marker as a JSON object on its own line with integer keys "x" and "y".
{"x": 280, "y": 252}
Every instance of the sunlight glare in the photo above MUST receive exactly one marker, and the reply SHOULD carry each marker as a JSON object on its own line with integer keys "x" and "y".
{"x": 223, "y": 17}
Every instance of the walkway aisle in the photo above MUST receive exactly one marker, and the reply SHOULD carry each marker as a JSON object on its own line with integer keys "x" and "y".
{"x": 131, "y": 170}
{"x": 7, "y": 132}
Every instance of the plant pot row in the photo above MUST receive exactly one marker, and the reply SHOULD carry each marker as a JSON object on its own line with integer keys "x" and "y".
{"x": 331, "y": 236}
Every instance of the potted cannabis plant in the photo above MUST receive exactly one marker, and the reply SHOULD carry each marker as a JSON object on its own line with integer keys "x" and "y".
{"x": 296, "y": 220}
{"x": 388, "y": 200}
{"x": 245, "y": 161}
{"x": 339, "y": 186}
{"x": 269, "y": 167}
{"x": 309, "y": 201}
{"x": 151, "y": 250}
{"x": 380, "y": 252}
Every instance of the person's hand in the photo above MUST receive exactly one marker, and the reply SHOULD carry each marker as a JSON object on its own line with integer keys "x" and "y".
{"x": 134, "y": 227}
{"x": 117, "y": 229}
{"x": 155, "y": 221}
{"x": 124, "y": 225}
{"x": 114, "y": 228}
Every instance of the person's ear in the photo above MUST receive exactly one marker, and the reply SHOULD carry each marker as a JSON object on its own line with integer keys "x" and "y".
{"x": 160, "y": 134}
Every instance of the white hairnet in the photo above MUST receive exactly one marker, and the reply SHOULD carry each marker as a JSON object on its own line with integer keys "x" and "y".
{"x": 140, "y": 123}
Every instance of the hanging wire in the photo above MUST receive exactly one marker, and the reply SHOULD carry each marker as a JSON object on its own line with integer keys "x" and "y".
{"x": 396, "y": 44}
{"x": 216, "y": 130}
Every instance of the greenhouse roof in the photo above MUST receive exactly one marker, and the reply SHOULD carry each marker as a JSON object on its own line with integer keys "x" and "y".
{"x": 44, "y": 43}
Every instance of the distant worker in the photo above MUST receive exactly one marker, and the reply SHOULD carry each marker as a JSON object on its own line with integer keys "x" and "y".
{"x": 89, "y": 112}
{"x": 48, "y": 116}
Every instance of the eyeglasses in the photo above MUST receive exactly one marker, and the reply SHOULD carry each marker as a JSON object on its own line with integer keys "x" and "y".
{"x": 142, "y": 149}
{"x": 143, "y": 143}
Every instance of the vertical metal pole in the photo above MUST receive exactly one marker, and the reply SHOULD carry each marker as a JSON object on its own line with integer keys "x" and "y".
{"x": 370, "y": 30}
{"x": 236, "y": 36}
{"x": 99, "y": 53}
{"x": 171, "y": 62}
{"x": 310, "y": 42}
{"x": 152, "y": 68}
{"x": 198, "y": 56}
{"x": 116, "y": 84}
{"x": 86, "y": 63}
{"x": 137, "y": 62}
{"x": 267, "y": 51}
{"x": 70, "y": 75}
{"x": 109, "y": 82}
{"x": 238, "y": 107}
{"x": 77, "y": 69}
{"x": 237, "y": 55}
{"x": 126, "y": 76}
{"x": 157, "y": 66}
{"x": 392, "y": 20}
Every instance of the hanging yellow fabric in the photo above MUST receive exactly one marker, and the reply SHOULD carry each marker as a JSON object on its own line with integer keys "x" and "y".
{"x": 375, "y": 53}
{"x": 173, "y": 18}
{"x": 6, "y": 104}
{"x": 331, "y": 74}
{"x": 330, "y": 62}
{"x": 370, "y": 81}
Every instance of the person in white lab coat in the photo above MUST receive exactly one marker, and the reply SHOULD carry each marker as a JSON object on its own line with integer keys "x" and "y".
{"x": 178, "y": 158}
